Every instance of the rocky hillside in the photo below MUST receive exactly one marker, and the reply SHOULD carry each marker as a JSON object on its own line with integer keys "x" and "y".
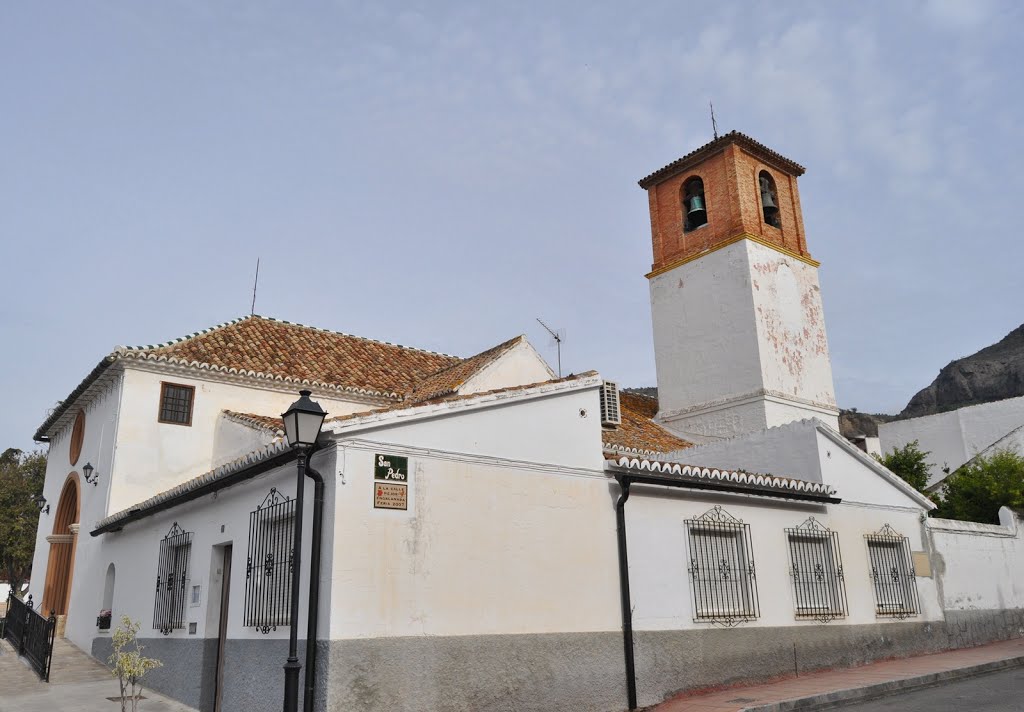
{"x": 853, "y": 423}
{"x": 994, "y": 373}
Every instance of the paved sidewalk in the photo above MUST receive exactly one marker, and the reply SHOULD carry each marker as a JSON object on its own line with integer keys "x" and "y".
{"x": 78, "y": 683}
{"x": 817, "y": 690}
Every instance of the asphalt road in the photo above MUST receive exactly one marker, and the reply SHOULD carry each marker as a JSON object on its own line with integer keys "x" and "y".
{"x": 995, "y": 692}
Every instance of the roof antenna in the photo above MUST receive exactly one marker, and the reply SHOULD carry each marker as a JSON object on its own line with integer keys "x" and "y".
{"x": 252, "y": 311}
{"x": 556, "y": 337}
{"x": 714, "y": 126}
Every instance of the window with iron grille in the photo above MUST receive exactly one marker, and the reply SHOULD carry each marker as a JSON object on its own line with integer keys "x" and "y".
{"x": 892, "y": 571}
{"x": 721, "y": 569}
{"x": 176, "y": 403}
{"x": 269, "y": 563}
{"x": 172, "y": 576}
{"x": 816, "y": 565}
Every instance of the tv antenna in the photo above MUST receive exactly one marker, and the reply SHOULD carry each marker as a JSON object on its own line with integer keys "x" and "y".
{"x": 714, "y": 126}
{"x": 255, "y": 282}
{"x": 556, "y": 337}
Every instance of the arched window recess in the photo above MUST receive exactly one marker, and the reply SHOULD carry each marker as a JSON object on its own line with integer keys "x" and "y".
{"x": 769, "y": 200}
{"x": 694, "y": 205}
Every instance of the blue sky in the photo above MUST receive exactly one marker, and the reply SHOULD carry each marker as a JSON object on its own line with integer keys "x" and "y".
{"x": 439, "y": 174}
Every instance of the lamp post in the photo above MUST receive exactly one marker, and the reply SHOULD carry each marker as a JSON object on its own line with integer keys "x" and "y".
{"x": 302, "y": 423}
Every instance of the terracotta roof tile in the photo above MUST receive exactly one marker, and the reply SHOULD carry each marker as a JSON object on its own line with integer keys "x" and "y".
{"x": 269, "y": 423}
{"x": 638, "y": 433}
{"x": 280, "y": 349}
{"x": 449, "y": 379}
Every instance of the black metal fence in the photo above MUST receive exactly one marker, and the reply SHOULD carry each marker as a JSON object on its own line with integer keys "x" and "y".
{"x": 172, "y": 577}
{"x": 722, "y": 577}
{"x": 269, "y": 563}
{"x": 30, "y": 633}
{"x": 892, "y": 571}
{"x": 816, "y": 564}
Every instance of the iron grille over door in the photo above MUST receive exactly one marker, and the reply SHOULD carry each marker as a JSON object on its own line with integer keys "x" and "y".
{"x": 816, "y": 564}
{"x": 269, "y": 563}
{"x": 721, "y": 569}
{"x": 892, "y": 570}
{"x": 172, "y": 577}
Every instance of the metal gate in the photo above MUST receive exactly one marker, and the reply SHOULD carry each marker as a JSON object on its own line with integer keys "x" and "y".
{"x": 30, "y": 634}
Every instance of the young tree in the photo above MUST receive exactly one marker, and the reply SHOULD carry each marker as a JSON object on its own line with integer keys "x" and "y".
{"x": 21, "y": 479}
{"x": 127, "y": 663}
{"x": 910, "y": 463}
{"x": 976, "y": 491}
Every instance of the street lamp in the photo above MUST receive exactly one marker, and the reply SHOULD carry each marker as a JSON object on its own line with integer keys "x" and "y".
{"x": 302, "y": 423}
{"x": 40, "y": 501}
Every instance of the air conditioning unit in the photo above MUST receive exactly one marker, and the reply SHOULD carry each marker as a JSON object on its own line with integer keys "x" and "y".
{"x": 610, "y": 413}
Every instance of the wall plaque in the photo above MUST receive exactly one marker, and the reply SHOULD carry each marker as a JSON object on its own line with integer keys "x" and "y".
{"x": 388, "y": 495}
{"x": 391, "y": 468}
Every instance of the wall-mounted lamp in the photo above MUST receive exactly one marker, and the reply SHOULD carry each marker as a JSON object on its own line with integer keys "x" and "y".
{"x": 40, "y": 501}
{"x": 90, "y": 475}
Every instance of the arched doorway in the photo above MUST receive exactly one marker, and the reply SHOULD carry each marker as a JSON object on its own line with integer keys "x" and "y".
{"x": 57, "y": 588}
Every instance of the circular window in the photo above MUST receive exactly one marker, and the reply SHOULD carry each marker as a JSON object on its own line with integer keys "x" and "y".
{"x": 77, "y": 436}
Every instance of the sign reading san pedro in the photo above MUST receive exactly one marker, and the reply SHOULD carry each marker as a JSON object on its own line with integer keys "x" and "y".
{"x": 392, "y": 468}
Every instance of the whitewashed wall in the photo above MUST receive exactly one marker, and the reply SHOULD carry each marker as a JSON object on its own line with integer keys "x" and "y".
{"x": 153, "y": 456}
{"x": 740, "y": 343}
{"x": 101, "y": 421}
{"x": 955, "y": 437}
{"x": 981, "y": 566}
{"x": 215, "y": 520}
{"x": 510, "y": 527}
{"x": 520, "y": 366}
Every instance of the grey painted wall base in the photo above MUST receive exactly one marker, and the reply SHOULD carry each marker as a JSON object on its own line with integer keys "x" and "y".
{"x": 568, "y": 672}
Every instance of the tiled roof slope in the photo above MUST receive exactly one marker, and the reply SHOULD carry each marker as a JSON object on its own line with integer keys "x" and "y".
{"x": 281, "y": 349}
{"x": 270, "y": 423}
{"x": 638, "y": 433}
{"x": 449, "y": 379}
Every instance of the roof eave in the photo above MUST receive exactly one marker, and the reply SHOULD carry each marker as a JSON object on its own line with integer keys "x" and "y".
{"x": 42, "y": 433}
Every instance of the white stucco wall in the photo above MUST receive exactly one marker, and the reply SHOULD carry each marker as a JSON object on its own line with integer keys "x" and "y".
{"x": 510, "y": 527}
{"x": 659, "y": 556}
{"x": 153, "y": 456}
{"x": 980, "y": 565}
{"x": 955, "y": 437}
{"x": 784, "y": 451}
{"x": 520, "y": 366}
{"x": 740, "y": 343}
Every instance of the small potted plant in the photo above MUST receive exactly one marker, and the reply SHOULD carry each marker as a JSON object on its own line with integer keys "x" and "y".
{"x": 103, "y": 620}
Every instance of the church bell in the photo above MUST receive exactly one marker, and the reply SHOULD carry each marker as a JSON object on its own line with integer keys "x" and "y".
{"x": 696, "y": 213}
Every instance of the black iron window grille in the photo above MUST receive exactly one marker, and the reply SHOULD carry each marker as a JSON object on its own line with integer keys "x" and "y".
{"x": 816, "y": 564}
{"x": 722, "y": 576}
{"x": 892, "y": 571}
{"x": 269, "y": 563}
{"x": 172, "y": 577}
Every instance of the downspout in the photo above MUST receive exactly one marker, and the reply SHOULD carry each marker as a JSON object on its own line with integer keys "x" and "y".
{"x": 627, "y": 610}
{"x": 313, "y": 601}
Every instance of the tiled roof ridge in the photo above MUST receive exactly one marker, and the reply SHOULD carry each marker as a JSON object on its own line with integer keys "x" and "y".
{"x": 712, "y": 146}
{"x": 723, "y": 475}
{"x": 225, "y": 324}
{"x": 255, "y": 420}
{"x": 487, "y": 356}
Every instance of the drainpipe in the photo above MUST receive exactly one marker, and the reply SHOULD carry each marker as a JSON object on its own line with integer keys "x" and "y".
{"x": 627, "y": 610}
{"x": 314, "y": 586}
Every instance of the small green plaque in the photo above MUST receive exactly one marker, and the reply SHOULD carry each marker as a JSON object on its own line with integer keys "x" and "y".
{"x": 392, "y": 468}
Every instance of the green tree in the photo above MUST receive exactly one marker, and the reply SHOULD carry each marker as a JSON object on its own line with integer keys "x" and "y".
{"x": 21, "y": 479}
{"x": 910, "y": 463}
{"x": 977, "y": 490}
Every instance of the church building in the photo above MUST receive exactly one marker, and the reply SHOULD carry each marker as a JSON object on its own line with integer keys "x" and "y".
{"x": 493, "y": 537}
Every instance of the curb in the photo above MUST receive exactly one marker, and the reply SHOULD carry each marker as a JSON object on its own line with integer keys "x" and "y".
{"x": 840, "y": 698}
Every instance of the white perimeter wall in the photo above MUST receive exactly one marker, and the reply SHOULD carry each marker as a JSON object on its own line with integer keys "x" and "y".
{"x": 510, "y": 526}
{"x": 659, "y": 555}
{"x": 981, "y": 565}
{"x": 955, "y": 437}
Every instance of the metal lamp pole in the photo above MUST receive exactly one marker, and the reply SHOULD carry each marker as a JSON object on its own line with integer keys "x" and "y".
{"x": 302, "y": 423}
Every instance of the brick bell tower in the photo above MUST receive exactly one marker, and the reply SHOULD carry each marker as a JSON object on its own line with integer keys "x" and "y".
{"x": 739, "y": 331}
